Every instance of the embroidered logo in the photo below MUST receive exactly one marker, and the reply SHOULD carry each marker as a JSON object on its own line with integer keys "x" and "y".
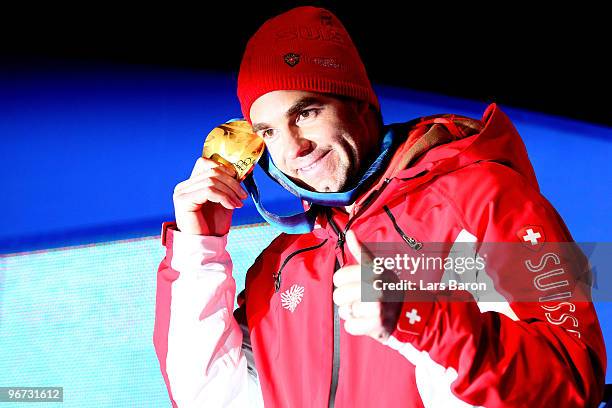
{"x": 326, "y": 62}
{"x": 292, "y": 297}
{"x": 413, "y": 316}
{"x": 532, "y": 236}
{"x": 292, "y": 59}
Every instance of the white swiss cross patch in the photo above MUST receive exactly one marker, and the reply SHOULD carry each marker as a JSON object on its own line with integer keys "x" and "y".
{"x": 532, "y": 236}
{"x": 292, "y": 297}
{"x": 413, "y": 316}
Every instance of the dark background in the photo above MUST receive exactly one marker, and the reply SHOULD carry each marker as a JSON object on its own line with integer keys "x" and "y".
{"x": 552, "y": 60}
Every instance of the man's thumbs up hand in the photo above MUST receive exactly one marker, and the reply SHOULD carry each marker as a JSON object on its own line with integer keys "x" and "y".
{"x": 360, "y": 318}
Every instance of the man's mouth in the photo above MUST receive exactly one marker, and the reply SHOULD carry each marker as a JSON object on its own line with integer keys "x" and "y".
{"x": 312, "y": 165}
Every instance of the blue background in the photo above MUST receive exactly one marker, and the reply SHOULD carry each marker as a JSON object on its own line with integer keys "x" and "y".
{"x": 91, "y": 154}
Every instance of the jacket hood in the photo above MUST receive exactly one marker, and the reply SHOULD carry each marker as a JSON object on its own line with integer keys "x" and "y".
{"x": 464, "y": 141}
{"x": 440, "y": 144}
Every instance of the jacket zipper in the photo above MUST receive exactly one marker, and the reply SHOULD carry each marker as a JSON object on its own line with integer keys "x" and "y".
{"x": 366, "y": 203}
{"x": 277, "y": 275}
{"x": 413, "y": 243}
{"x": 336, "y": 334}
{"x": 336, "y": 352}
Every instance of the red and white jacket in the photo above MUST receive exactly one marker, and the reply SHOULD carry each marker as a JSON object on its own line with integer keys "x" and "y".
{"x": 453, "y": 180}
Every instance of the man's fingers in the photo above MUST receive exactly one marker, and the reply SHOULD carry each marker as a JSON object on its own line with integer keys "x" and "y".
{"x": 203, "y": 164}
{"x": 220, "y": 187}
{"x": 366, "y": 309}
{"x": 212, "y": 194}
{"x": 213, "y": 177}
{"x": 363, "y": 318}
{"x": 362, "y": 326}
{"x": 347, "y": 274}
{"x": 358, "y": 310}
{"x": 346, "y": 294}
{"x": 344, "y": 312}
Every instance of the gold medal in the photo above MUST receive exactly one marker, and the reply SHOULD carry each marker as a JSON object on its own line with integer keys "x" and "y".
{"x": 234, "y": 145}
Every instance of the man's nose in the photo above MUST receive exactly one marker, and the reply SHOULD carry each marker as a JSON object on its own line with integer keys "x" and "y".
{"x": 297, "y": 145}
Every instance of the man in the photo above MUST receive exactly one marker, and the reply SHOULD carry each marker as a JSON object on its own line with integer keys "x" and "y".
{"x": 308, "y": 339}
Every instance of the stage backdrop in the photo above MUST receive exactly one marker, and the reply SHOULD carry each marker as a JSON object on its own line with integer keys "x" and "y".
{"x": 90, "y": 157}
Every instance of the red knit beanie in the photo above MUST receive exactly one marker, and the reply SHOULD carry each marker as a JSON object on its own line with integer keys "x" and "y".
{"x": 305, "y": 48}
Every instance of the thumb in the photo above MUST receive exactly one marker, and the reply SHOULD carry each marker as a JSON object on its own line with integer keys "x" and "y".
{"x": 359, "y": 252}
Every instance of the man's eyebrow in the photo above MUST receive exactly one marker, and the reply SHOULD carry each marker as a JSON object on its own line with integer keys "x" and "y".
{"x": 295, "y": 108}
{"x": 301, "y": 104}
{"x": 260, "y": 126}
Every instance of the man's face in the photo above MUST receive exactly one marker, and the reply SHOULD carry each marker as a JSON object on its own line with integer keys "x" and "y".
{"x": 315, "y": 139}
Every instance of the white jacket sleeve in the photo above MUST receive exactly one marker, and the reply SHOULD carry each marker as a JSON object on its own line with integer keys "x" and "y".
{"x": 197, "y": 339}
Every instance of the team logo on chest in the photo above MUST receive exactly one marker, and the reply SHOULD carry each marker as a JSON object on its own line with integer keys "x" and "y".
{"x": 292, "y": 297}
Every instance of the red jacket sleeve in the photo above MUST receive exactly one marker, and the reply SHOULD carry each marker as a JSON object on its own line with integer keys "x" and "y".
{"x": 547, "y": 351}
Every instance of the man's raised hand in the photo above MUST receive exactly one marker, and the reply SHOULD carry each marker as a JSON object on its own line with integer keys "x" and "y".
{"x": 204, "y": 203}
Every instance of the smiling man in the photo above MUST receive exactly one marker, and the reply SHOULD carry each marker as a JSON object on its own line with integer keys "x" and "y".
{"x": 311, "y": 136}
{"x": 303, "y": 335}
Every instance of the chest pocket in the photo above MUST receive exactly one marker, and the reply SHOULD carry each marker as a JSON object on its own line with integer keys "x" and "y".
{"x": 412, "y": 243}
{"x": 288, "y": 294}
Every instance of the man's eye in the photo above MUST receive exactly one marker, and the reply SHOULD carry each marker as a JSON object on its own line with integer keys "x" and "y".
{"x": 307, "y": 114}
{"x": 268, "y": 133}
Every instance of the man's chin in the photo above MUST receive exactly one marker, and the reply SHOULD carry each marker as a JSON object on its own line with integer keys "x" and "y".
{"x": 317, "y": 188}
{"x": 320, "y": 186}
{"x": 326, "y": 188}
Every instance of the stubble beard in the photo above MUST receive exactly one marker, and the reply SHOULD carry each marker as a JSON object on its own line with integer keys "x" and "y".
{"x": 342, "y": 175}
